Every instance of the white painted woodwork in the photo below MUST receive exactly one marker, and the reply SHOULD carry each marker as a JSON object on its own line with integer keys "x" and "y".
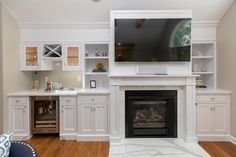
{"x": 73, "y": 66}
{"x": 42, "y": 65}
{"x": 213, "y": 116}
{"x": 93, "y": 117}
{"x": 91, "y": 60}
{"x": 100, "y": 118}
{"x": 186, "y": 109}
{"x": 19, "y": 117}
{"x": 86, "y": 118}
{"x": 68, "y": 117}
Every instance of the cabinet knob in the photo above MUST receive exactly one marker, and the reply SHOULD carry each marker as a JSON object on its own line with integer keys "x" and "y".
{"x": 93, "y": 99}
{"x": 67, "y": 100}
{"x": 17, "y": 100}
{"x": 212, "y": 98}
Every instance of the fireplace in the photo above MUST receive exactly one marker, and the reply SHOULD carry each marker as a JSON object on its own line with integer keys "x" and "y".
{"x": 151, "y": 113}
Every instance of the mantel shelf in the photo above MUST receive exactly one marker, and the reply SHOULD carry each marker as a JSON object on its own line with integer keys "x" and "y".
{"x": 202, "y": 57}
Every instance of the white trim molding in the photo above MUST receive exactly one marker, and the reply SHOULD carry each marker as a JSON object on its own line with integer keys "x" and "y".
{"x": 63, "y": 25}
{"x": 232, "y": 139}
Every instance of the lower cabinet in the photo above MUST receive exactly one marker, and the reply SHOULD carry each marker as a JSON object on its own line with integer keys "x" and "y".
{"x": 93, "y": 117}
{"x": 213, "y": 116}
{"x": 19, "y": 117}
{"x": 68, "y": 117}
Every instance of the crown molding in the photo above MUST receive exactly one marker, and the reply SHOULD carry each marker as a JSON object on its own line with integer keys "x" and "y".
{"x": 60, "y": 25}
{"x": 205, "y": 24}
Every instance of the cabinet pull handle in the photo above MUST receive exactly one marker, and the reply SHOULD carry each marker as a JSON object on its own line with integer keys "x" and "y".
{"x": 17, "y": 100}
{"x": 67, "y": 100}
{"x": 212, "y": 98}
{"x": 94, "y": 109}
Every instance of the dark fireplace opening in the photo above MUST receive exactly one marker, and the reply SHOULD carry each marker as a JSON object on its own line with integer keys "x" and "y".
{"x": 151, "y": 113}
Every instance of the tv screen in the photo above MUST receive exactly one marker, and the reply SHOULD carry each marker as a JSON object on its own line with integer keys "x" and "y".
{"x": 152, "y": 40}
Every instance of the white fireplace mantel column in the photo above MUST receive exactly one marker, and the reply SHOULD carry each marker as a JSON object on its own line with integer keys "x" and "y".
{"x": 187, "y": 100}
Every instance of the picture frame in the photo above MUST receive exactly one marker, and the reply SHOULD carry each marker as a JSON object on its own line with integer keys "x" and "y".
{"x": 92, "y": 84}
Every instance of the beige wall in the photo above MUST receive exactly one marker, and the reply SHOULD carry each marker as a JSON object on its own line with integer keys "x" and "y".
{"x": 226, "y": 64}
{"x": 68, "y": 78}
{"x": 1, "y": 78}
{"x": 13, "y": 78}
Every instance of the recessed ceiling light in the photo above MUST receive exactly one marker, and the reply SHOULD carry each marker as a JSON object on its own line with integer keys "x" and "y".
{"x": 96, "y": 0}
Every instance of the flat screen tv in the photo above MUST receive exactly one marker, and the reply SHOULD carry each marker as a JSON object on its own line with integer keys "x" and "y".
{"x": 152, "y": 40}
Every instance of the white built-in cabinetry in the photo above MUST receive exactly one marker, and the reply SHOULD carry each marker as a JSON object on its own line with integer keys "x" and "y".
{"x": 39, "y": 56}
{"x": 213, "y": 115}
{"x": 68, "y": 117}
{"x": 96, "y": 53}
{"x": 204, "y": 62}
{"x": 19, "y": 117}
{"x": 93, "y": 117}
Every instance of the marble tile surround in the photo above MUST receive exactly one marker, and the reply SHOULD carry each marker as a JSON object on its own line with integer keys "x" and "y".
{"x": 155, "y": 147}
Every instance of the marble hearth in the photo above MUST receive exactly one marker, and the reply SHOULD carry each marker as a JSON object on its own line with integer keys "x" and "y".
{"x": 186, "y": 99}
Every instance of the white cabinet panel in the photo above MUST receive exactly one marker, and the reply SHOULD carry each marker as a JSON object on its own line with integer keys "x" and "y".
{"x": 219, "y": 119}
{"x": 68, "y": 117}
{"x": 204, "y": 118}
{"x": 100, "y": 119}
{"x": 86, "y": 118}
{"x": 19, "y": 117}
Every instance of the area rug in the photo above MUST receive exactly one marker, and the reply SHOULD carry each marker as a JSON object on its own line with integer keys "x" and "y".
{"x": 156, "y": 148}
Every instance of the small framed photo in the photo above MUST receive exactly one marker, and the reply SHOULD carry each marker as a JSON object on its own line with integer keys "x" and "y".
{"x": 92, "y": 84}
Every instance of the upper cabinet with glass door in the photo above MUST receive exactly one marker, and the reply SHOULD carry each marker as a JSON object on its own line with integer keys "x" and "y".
{"x": 72, "y": 57}
{"x": 30, "y": 57}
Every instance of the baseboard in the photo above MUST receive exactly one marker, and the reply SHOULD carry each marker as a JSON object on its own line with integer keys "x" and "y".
{"x": 92, "y": 137}
{"x": 68, "y": 136}
{"x": 21, "y": 137}
{"x": 213, "y": 137}
{"x": 191, "y": 139}
{"x": 232, "y": 139}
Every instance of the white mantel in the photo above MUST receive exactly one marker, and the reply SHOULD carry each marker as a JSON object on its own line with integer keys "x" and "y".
{"x": 186, "y": 99}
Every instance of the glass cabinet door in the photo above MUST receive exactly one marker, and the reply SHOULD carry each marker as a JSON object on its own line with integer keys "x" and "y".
{"x": 31, "y": 58}
{"x": 72, "y": 57}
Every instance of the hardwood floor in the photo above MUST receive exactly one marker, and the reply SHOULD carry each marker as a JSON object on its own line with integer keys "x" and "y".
{"x": 219, "y": 149}
{"x": 54, "y": 147}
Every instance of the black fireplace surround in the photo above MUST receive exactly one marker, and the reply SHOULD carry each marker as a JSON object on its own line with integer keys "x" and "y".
{"x": 151, "y": 113}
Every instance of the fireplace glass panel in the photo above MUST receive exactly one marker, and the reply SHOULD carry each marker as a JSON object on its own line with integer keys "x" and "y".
{"x": 149, "y": 114}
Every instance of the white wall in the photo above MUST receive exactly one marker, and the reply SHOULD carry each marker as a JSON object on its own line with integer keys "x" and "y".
{"x": 13, "y": 78}
{"x": 226, "y": 36}
{"x": 1, "y": 77}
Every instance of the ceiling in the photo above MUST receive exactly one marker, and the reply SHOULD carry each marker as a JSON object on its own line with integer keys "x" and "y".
{"x": 98, "y": 10}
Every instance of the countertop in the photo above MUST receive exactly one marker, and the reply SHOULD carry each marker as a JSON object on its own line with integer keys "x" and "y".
{"x": 212, "y": 91}
{"x": 66, "y": 92}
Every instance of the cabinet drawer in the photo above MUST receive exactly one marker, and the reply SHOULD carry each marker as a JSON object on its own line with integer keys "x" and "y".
{"x": 68, "y": 100}
{"x": 93, "y": 99}
{"x": 213, "y": 98}
{"x": 19, "y": 100}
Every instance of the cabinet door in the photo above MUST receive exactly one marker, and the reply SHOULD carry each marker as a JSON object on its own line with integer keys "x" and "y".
{"x": 20, "y": 119}
{"x": 30, "y": 57}
{"x": 100, "y": 118}
{"x": 68, "y": 119}
{"x": 204, "y": 118}
{"x": 86, "y": 118}
{"x": 219, "y": 119}
{"x": 71, "y": 57}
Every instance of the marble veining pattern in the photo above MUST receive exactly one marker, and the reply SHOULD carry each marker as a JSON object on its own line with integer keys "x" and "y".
{"x": 156, "y": 147}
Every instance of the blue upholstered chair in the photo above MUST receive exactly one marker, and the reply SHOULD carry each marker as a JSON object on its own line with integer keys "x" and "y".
{"x": 22, "y": 149}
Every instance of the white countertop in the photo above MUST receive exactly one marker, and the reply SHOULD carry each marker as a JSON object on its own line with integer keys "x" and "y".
{"x": 212, "y": 91}
{"x": 59, "y": 92}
